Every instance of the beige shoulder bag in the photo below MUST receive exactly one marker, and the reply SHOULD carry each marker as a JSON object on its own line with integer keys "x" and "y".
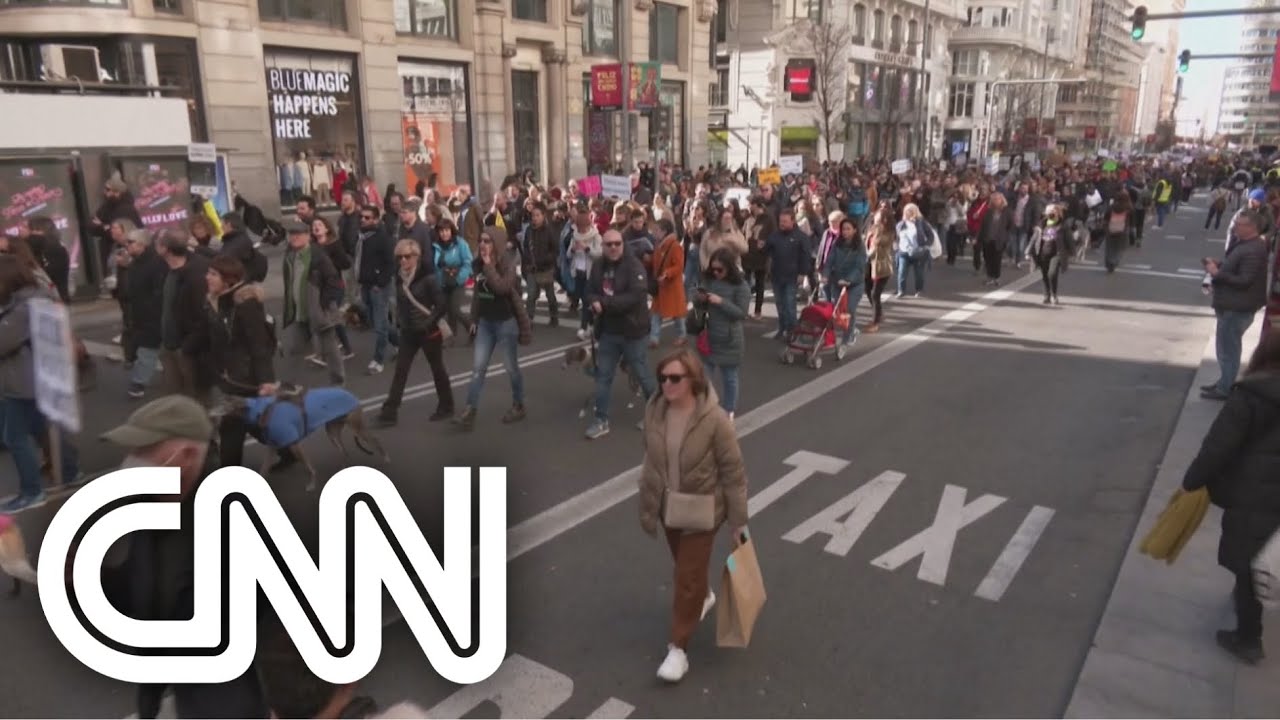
{"x": 687, "y": 511}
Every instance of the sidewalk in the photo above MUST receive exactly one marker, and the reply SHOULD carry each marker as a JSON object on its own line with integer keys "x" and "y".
{"x": 1154, "y": 654}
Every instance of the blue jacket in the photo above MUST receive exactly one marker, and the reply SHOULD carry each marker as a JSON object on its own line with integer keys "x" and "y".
{"x": 791, "y": 254}
{"x": 456, "y": 255}
{"x": 290, "y": 421}
{"x": 848, "y": 264}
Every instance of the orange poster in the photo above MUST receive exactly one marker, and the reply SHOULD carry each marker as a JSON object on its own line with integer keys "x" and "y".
{"x": 428, "y": 156}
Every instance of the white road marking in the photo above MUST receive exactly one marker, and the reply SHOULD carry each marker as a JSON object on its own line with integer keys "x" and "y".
{"x": 612, "y": 708}
{"x": 1175, "y": 237}
{"x": 858, "y": 509}
{"x": 1014, "y": 554}
{"x": 1198, "y": 272}
{"x": 569, "y": 514}
{"x": 1123, "y": 270}
{"x": 936, "y": 542}
{"x": 806, "y": 464}
{"x": 521, "y": 688}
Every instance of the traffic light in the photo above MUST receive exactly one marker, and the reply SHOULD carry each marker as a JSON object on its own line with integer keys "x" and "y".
{"x": 1184, "y": 61}
{"x": 1139, "y": 22}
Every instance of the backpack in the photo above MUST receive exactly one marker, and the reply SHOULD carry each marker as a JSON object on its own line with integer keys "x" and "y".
{"x": 256, "y": 269}
{"x": 858, "y": 203}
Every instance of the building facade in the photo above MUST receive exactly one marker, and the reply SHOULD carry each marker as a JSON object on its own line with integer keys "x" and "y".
{"x": 440, "y": 92}
{"x": 1100, "y": 113}
{"x": 1248, "y": 115}
{"x": 1022, "y": 40}
{"x": 829, "y": 80}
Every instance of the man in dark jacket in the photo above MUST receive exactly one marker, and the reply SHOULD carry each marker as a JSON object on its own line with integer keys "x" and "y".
{"x": 117, "y": 204}
{"x": 618, "y": 294}
{"x": 312, "y": 294}
{"x": 789, "y": 250}
{"x": 543, "y": 252}
{"x": 349, "y": 236}
{"x": 184, "y": 333}
{"x": 376, "y": 271}
{"x": 148, "y": 575}
{"x": 147, "y": 273}
{"x": 414, "y": 229}
{"x": 1239, "y": 291}
{"x": 237, "y": 244}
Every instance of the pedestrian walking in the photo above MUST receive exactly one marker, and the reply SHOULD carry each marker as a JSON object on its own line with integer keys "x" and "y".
{"x": 1239, "y": 285}
{"x": 846, "y": 270}
{"x": 1049, "y": 250}
{"x": 668, "y": 273}
{"x": 184, "y": 338}
{"x": 915, "y": 237}
{"x": 421, "y": 304}
{"x": 1238, "y": 464}
{"x": 881, "y": 240}
{"x": 692, "y": 482}
{"x": 1119, "y": 224}
{"x": 453, "y": 262}
{"x": 312, "y": 295}
{"x": 725, "y": 298}
{"x": 376, "y": 269}
{"x": 789, "y": 254}
{"x": 145, "y": 293}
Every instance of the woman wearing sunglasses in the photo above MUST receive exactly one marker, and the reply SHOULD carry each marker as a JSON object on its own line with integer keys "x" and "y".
{"x": 692, "y": 482}
{"x": 420, "y": 306}
{"x": 725, "y": 298}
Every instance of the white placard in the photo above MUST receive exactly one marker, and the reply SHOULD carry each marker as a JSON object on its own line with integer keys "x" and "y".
{"x": 900, "y": 167}
{"x": 742, "y": 195}
{"x": 791, "y": 164}
{"x": 1103, "y": 152}
{"x": 202, "y": 153}
{"x": 992, "y": 165}
{"x": 54, "y": 359}
{"x": 618, "y": 186}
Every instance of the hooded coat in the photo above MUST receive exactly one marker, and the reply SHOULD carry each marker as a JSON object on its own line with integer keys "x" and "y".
{"x": 1239, "y": 462}
{"x": 501, "y": 277}
{"x": 710, "y": 462}
{"x": 668, "y": 267}
{"x": 240, "y": 340}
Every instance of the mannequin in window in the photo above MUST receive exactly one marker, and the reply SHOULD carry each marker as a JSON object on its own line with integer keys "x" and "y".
{"x": 302, "y": 183}
{"x": 288, "y": 192}
{"x": 321, "y": 179}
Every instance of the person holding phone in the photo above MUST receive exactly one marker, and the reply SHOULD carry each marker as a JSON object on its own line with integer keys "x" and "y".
{"x": 725, "y": 298}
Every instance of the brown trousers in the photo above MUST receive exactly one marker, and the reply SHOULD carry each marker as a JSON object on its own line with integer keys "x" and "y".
{"x": 692, "y": 554}
{"x": 180, "y": 376}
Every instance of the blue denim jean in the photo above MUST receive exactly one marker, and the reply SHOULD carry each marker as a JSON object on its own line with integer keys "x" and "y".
{"x": 144, "y": 367}
{"x": 728, "y": 383}
{"x": 489, "y": 335}
{"x": 377, "y": 302}
{"x": 1162, "y": 211}
{"x": 23, "y": 424}
{"x": 655, "y": 327}
{"x": 610, "y": 349}
{"x": 784, "y": 299}
{"x": 921, "y": 268}
{"x": 855, "y": 295}
{"x": 692, "y": 272}
{"x": 1230, "y": 336}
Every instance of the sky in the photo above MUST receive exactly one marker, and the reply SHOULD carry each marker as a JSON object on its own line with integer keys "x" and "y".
{"x": 1203, "y": 82}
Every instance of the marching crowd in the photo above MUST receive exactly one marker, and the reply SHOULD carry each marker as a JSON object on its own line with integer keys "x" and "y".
{"x": 693, "y": 251}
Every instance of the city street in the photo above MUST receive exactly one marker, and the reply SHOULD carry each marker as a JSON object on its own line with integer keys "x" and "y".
{"x": 940, "y": 517}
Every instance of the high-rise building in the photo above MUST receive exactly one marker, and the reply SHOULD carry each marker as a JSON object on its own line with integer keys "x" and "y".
{"x": 1030, "y": 40}
{"x": 1248, "y": 115}
{"x": 296, "y": 92}
{"x": 1101, "y": 112}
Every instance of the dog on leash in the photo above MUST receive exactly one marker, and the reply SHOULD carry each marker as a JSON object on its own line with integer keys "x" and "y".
{"x": 13, "y": 555}
{"x": 284, "y": 420}
{"x": 584, "y": 356}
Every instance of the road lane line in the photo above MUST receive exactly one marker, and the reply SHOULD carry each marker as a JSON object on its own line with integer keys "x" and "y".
{"x": 1175, "y": 237}
{"x": 569, "y": 514}
{"x": 1014, "y": 554}
{"x": 1198, "y": 272}
{"x": 1147, "y": 273}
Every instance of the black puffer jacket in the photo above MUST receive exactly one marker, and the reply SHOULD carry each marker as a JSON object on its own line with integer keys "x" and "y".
{"x": 145, "y": 292}
{"x": 240, "y": 340}
{"x": 625, "y": 310}
{"x": 425, "y": 286}
{"x": 1239, "y": 463}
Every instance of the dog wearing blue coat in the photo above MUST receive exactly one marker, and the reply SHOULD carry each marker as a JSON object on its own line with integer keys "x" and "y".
{"x": 284, "y": 420}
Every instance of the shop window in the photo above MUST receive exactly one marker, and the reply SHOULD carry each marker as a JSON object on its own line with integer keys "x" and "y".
{"x": 895, "y": 33}
{"x": 804, "y": 10}
{"x": 664, "y": 34}
{"x": 314, "y": 103}
{"x": 322, "y": 12}
{"x": 426, "y": 18}
{"x": 599, "y": 36}
{"x": 436, "y": 126}
{"x": 671, "y": 96}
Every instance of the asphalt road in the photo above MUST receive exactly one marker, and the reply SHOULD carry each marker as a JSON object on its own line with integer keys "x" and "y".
{"x": 954, "y": 502}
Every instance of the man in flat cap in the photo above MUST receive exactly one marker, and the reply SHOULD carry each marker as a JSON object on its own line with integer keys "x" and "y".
{"x": 151, "y": 577}
{"x": 312, "y": 295}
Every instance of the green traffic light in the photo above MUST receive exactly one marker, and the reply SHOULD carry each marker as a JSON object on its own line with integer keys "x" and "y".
{"x": 1138, "y": 33}
{"x": 1183, "y": 68}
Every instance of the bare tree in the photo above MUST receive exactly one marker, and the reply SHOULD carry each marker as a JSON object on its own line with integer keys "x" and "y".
{"x": 828, "y": 44}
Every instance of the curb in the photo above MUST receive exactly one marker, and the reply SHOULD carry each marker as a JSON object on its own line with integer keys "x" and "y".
{"x": 1154, "y": 653}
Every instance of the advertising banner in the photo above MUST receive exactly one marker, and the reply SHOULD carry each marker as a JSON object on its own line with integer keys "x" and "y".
{"x": 606, "y": 86}
{"x": 424, "y": 136}
{"x": 160, "y": 190}
{"x": 41, "y": 187}
{"x": 646, "y": 79}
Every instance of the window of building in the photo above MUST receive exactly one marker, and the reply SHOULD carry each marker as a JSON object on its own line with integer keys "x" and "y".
{"x": 871, "y": 88}
{"x": 719, "y": 94}
{"x": 857, "y": 74}
{"x": 722, "y": 21}
{"x": 429, "y": 18}
{"x": 913, "y": 35}
{"x": 599, "y": 36}
{"x": 524, "y": 117}
{"x": 973, "y": 18}
{"x": 895, "y": 33}
{"x": 859, "y": 24}
{"x": 877, "y": 28}
{"x": 322, "y": 12}
{"x": 965, "y": 62}
{"x": 1068, "y": 93}
{"x": 664, "y": 33}
{"x": 960, "y": 101}
{"x": 535, "y": 10}
{"x": 804, "y": 10}
{"x": 928, "y": 40}
{"x": 314, "y": 104}
{"x": 435, "y": 126}
{"x": 168, "y": 6}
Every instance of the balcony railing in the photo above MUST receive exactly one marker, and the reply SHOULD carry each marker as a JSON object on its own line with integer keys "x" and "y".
{"x": 80, "y": 87}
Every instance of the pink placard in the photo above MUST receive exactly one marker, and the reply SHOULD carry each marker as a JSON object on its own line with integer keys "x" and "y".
{"x": 589, "y": 186}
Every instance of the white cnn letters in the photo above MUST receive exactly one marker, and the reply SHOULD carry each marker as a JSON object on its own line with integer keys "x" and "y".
{"x": 224, "y": 509}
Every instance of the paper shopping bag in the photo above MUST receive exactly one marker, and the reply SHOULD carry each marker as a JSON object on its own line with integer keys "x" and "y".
{"x": 741, "y": 597}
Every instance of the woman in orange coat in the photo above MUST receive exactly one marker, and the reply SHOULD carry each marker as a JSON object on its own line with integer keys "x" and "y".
{"x": 667, "y": 267}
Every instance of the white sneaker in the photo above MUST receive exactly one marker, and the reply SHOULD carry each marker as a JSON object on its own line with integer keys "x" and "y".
{"x": 707, "y": 604}
{"x": 675, "y": 666}
{"x": 584, "y": 334}
{"x": 375, "y": 367}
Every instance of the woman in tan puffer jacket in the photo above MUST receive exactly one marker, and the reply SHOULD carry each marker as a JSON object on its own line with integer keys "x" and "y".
{"x": 692, "y": 482}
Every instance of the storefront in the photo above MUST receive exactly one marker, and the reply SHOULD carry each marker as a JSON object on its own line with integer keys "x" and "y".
{"x": 799, "y": 140}
{"x": 314, "y": 101}
{"x": 435, "y": 123}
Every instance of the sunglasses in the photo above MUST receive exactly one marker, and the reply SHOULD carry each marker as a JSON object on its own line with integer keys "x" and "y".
{"x": 611, "y": 244}
{"x": 409, "y": 256}
{"x": 672, "y": 379}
